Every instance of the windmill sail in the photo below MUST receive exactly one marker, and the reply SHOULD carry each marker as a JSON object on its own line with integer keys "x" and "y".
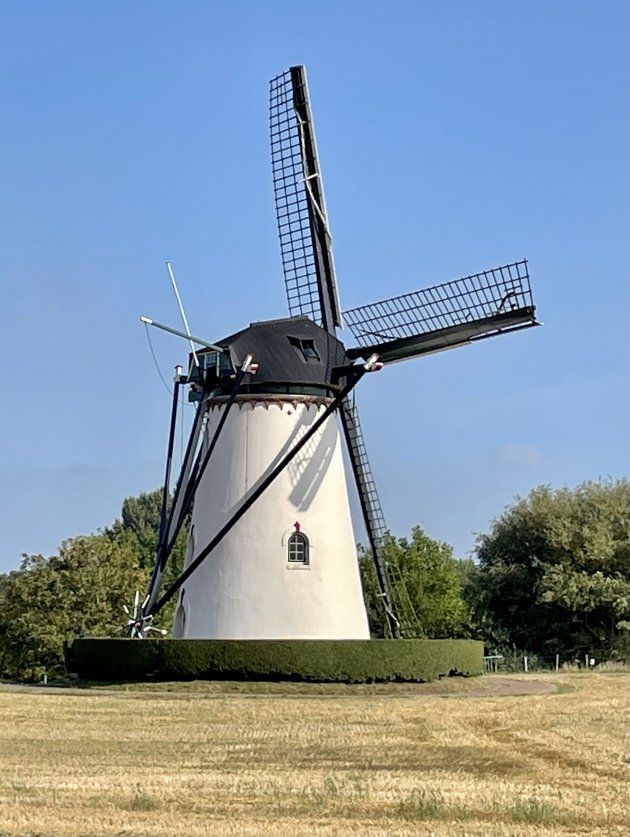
{"x": 401, "y": 617}
{"x": 442, "y": 317}
{"x": 305, "y": 241}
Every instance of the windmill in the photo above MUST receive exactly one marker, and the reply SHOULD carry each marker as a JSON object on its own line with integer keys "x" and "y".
{"x": 271, "y": 550}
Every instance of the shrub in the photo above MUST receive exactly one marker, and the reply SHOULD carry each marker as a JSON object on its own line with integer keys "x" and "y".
{"x": 345, "y": 661}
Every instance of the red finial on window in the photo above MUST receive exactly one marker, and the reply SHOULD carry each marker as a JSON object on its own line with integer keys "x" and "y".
{"x": 297, "y": 526}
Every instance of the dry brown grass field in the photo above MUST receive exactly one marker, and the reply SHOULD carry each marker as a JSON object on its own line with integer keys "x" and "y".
{"x": 542, "y": 755}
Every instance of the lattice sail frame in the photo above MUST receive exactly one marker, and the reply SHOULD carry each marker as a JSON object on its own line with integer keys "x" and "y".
{"x": 474, "y": 306}
{"x": 305, "y": 240}
{"x": 291, "y": 199}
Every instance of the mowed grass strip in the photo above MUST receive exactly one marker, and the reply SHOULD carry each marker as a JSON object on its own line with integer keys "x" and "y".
{"x": 353, "y": 763}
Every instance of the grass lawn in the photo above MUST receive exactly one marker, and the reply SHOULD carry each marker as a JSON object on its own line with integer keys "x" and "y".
{"x": 536, "y": 755}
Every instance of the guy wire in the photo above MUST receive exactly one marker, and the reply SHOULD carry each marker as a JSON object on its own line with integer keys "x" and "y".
{"x": 157, "y": 366}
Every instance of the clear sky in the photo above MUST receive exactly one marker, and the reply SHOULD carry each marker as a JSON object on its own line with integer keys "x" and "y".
{"x": 453, "y": 137}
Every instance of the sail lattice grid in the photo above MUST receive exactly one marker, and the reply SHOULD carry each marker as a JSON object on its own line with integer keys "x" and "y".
{"x": 291, "y": 199}
{"x": 481, "y": 296}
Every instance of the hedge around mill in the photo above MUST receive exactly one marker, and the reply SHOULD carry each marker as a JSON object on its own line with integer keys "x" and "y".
{"x": 340, "y": 661}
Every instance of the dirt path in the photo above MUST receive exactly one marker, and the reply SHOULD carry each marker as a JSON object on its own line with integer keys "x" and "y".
{"x": 499, "y": 684}
{"x": 492, "y": 685}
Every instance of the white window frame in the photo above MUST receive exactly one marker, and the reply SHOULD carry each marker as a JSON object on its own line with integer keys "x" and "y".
{"x": 297, "y": 565}
{"x": 297, "y": 548}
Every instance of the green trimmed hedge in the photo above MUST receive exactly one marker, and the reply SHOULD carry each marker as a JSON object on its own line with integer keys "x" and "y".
{"x": 345, "y": 661}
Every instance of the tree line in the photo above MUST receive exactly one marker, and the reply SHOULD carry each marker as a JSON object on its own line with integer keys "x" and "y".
{"x": 551, "y": 576}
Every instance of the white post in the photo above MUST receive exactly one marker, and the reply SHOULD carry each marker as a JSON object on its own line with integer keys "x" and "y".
{"x": 525, "y": 663}
{"x": 557, "y": 662}
{"x": 586, "y": 656}
{"x": 182, "y": 312}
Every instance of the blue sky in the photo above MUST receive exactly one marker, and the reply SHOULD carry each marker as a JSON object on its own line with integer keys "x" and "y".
{"x": 453, "y": 137}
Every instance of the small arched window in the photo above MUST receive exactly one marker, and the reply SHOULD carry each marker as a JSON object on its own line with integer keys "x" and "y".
{"x": 298, "y": 548}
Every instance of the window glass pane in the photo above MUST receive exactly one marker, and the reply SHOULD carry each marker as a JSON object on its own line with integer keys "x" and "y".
{"x": 309, "y": 351}
{"x": 306, "y": 348}
{"x": 298, "y": 549}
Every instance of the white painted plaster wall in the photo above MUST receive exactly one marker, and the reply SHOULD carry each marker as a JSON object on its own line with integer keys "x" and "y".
{"x": 246, "y": 589}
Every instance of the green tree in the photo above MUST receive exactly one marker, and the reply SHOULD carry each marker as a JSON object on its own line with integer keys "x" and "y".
{"x": 139, "y": 528}
{"x": 426, "y": 581}
{"x": 83, "y": 589}
{"x": 554, "y": 572}
{"x": 50, "y": 600}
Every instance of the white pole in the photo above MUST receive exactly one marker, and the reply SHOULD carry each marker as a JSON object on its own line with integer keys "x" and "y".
{"x": 557, "y": 662}
{"x": 181, "y": 311}
{"x": 525, "y": 663}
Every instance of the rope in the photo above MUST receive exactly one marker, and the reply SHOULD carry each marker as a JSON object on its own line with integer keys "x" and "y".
{"x": 157, "y": 366}
{"x": 155, "y": 361}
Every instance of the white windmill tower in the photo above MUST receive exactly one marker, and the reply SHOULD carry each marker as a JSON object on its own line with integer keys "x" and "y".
{"x": 271, "y": 551}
